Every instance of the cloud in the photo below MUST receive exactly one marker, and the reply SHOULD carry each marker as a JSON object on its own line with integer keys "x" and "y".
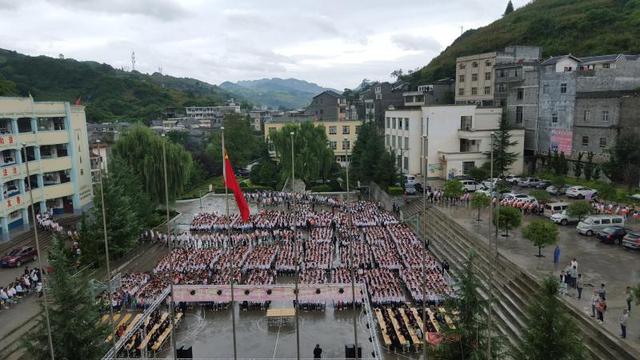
{"x": 414, "y": 42}
{"x": 160, "y": 9}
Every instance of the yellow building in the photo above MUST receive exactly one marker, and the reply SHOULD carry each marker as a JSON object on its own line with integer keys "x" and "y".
{"x": 52, "y": 138}
{"x": 341, "y": 135}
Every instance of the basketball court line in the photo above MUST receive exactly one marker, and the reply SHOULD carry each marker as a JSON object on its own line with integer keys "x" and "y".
{"x": 275, "y": 348}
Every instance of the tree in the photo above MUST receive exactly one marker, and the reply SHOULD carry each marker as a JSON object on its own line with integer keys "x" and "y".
{"x": 502, "y": 157}
{"x": 453, "y": 189}
{"x": 541, "y": 233}
{"x": 370, "y": 160}
{"x": 509, "y": 9}
{"x": 577, "y": 166}
{"x": 76, "y": 330}
{"x": 241, "y": 141}
{"x": 588, "y": 168}
{"x": 607, "y": 191}
{"x": 397, "y": 74}
{"x": 541, "y": 196}
{"x": 579, "y": 209}
{"x": 480, "y": 173}
{"x": 469, "y": 339}
{"x": 558, "y": 181}
{"x": 480, "y": 201}
{"x": 624, "y": 160}
{"x": 550, "y": 332}
{"x": 507, "y": 218}
{"x": 596, "y": 173}
{"x": 563, "y": 165}
{"x": 141, "y": 149}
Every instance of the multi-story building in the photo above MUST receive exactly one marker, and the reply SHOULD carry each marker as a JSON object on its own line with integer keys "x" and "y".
{"x": 327, "y": 106}
{"x": 378, "y": 98}
{"x": 259, "y": 118}
{"x": 438, "y": 93}
{"x": 51, "y": 139}
{"x": 453, "y": 138}
{"x": 562, "y": 78}
{"x": 341, "y": 135}
{"x": 214, "y": 115}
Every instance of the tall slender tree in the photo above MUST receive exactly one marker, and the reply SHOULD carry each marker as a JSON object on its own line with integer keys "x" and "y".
{"x": 74, "y": 315}
{"x": 550, "y": 333}
{"x": 370, "y": 160}
{"x": 503, "y": 158}
{"x": 509, "y": 9}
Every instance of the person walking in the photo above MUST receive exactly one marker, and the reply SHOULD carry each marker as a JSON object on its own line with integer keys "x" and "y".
{"x": 556, "y": 255}
{"x": 629, "y": 298}
{"x": 317, "y": 352}
{"x": 602, "y": 292}
{"x": 579, "y": 286}
{"x": 624, "y": 319}
{"x": 601, "y": 308}
{"x": 594, "y": 302}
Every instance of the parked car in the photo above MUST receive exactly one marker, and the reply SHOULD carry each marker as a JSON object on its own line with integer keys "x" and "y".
{"x": 471, "y": 185}
{"x": 594, "y": 223}
{"x": 525, "y": 197}
{"x": 612, "y": 234}
{"x": 408, "y": 180}
{"x": 631, "y": 240}
{"x": 528, "y": 182}
{"x": 463, "y": 177}
{"x": 490, "y": 183}
{"x": 410, "y": 190}
{"x": 554, "y": 190}
{"x": 554, "y": 208}
{"x": 563, "y": 218}
{"x": 543, "y": 184}
{"x": 512, "y": 179}
{"x": 581, "y": 192}
{"x": 18, "y": 256}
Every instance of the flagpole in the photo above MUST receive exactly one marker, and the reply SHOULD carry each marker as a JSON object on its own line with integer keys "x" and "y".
{"x": 170, "y": 242}
{"x": 295, "y": 241}
{"x": 226, "y": 201}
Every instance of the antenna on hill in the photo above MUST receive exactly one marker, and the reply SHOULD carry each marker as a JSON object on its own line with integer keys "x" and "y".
{"x": 133, "y": 61}
{"x": 160, "y": 70}
{"x": 461, "y": 29}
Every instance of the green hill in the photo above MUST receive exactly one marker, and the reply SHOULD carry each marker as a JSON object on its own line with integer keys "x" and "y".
{"x": 275, "y": 93}
{"x": 579, "y": 27}
{"x": 108, "y": 93}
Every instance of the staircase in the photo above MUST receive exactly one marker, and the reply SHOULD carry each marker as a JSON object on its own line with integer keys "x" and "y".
{"x": 513, "y": 286}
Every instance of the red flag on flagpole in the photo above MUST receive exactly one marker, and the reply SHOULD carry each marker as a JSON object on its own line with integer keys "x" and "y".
{"x": 232, "y": 184}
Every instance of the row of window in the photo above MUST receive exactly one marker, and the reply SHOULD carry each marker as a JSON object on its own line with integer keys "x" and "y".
{"x": 603, "y": 141}
{"x": 563, "y": 88}
{"x": 403, "y": 123}
{"x": 474, "y": 91}
{"x": 474, "y": 77}
{"x": 346, "y": 130}
{"x": 474, "y": 64}
{"x": 604, "y": 116}
{"x": 346, "y": 145}
{"x": 390, "y": 141}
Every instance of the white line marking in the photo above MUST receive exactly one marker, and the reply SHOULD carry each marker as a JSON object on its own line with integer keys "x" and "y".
{"x": 275, "y": 348}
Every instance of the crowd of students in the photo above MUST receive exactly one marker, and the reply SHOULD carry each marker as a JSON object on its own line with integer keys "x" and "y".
{"x": 30, "y": 282}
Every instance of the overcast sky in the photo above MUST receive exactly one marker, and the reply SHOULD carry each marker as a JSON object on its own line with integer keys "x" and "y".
{"x": 335, "y": 43}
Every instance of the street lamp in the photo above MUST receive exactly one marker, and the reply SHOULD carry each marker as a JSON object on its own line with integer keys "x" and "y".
{"x": 425, "y": 167}
{"x": 170, "y": 241}
{"x": 106, "y": 254}
{"x": 295, "y": 242}
{"x": 35, "y": 234}
{"x": 494, "y": 265}
{"x": 346, "y": 144}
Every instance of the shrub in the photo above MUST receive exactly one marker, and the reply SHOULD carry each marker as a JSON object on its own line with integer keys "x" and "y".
{"x": 395, "y": 190}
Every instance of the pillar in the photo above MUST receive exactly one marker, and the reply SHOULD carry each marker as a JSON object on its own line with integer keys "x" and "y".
{"x": 34, "y": 124}
{"x": 43, "y": 207}
{"x": 25, "y": 216}
{"x": 5, "y": 226}
{"x": 14, "y": 125}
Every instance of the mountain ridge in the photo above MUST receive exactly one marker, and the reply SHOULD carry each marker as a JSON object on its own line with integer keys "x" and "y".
{"x": 276, "y": 92}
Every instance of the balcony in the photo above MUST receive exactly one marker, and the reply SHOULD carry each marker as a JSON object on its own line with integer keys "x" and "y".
{"x": 469, "y": 133}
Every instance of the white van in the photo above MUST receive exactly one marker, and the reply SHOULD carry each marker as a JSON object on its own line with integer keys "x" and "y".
{"x": 592, "y": 224}
{"x": 471, "y": 185}
{"x": 554, "y": 208}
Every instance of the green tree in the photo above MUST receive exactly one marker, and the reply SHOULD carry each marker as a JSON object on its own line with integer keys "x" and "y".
{"x": 74, "y": 315}
{"x": 453, "y": 189}
{"x": 541, "y": 233}
{"x": 507, "y": 218}
{"x": 558, "y": 181}
{"x": 470, "y": 336}
{"x": 624, "y": 160}
{"x": 541, "y": 196}
{"x": 480, "y": 173}
{"x": 370, "y": 160}
{"x": 241, "y": 141}
{"x": 563, "y": 165}
{"x": 502, "y": 157}
{"x": 607, "y": 191}
{"x": 141, "y": 149}
{"x": 596, "y": 173}
{"x": 589, "y": 166}
{"x": 265, "y": 173}
{"x": 579, "y": 209}
{"x": 550, "y": 333}
{"x": 480, "y": 201}
{"x": 577, "y": 166}
{"x": 509, "y": 9}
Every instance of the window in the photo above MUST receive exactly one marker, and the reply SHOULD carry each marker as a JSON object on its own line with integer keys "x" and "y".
{"x": 603, "y": 142}
{"x": 563, "y": 88}
{"x": 606, "y": 66}
{"x": 487, "y": 75}
{"x": 400, "y": 123}
{"x": 587, "y": 115}
{"x": 501, "y": 88}
{"x": 466, "y": 123}
{"x": 357, "y": 129}
{"x": 554, "y": 118}
{"x": 585, "y": 141}
{"x": 346, "y": 145}
{"x": 333, "y": 130}
{"x": 545, "y": 88}
{"x": 568, "y": 68}
{"x": 474, "y": 77}
{"x": 393, "y": 123}
{"x": 605, "y": 116}
{"x": 334, "y": 144}
{"x": 386, "y": 140}
{"x": 474, "y": 64}
{"x": 616, "y": 220}
{"x": 393, "y": 141}
{"x": 520, "y": 94}
{"x": 515, "y": 73}
{"x": 81, "y": 172}
{"x": 406, "y": 123}
{"x": 346, "y": 130}
{"x": 501, "y": 73}
{"x": 606, "y": 221}
{"x": 467, "y": 166}
{"x": 462, "y": 66}
{"x": 474, "y": 91}
{"x": 406, "y": 143}
{"x": 461, "y": 92}
{"x": 406, "y": 163}
{"x": 519, "y": 114}
{"x": 461, "y": 78}
{"x": 487, "y": 90}
{"x": 388, "y": 121}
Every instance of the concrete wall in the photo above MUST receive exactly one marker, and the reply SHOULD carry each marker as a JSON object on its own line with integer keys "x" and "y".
{"x": 589, "y": 124}
{"x": 413, "y": 134}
